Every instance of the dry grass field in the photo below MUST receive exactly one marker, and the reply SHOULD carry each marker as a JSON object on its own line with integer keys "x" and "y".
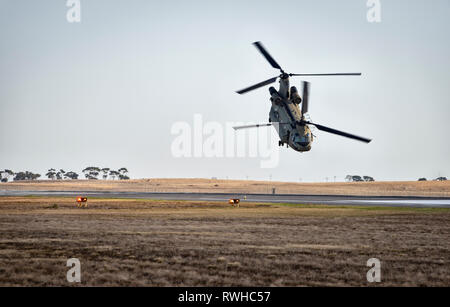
{"x": 174, "y": 243}
{"x": 408, "y": 188}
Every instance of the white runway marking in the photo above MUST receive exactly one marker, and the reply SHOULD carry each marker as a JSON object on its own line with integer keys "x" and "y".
{"x": 425, "y": 202}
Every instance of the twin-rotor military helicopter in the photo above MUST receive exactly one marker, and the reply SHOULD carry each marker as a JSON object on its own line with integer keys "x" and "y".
{"x": 285, "y": 114}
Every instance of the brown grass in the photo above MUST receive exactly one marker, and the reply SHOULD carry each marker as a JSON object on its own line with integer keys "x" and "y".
{"x": 407, "y": 188}
{"x": 174, "y": 243}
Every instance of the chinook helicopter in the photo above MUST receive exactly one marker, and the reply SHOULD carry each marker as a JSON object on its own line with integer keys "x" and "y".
{"x": 285, "y": 114}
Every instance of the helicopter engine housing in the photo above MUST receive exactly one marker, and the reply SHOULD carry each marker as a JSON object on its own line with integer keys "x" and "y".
{"x": 295, "y": 97}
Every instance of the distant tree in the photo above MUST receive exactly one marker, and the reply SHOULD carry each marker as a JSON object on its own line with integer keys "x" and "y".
{"x": 91, "y": 172}
{"x": 441, "y": 179}
{"x": 114, "y": 174}
{"x": 20, "y": 176}
{"x": 105, "y": 172}
{"x": 60, "y": 174}
{"x": 368, "y": 178}
{"x": 422, "y": 179}
{"x": 5, "y": 175}
{"x": 71, "y": 175}
{"x": 357, "y": 178}
{"x": 51, "y": 174}
{"x": 123, "y": 173}
{"x": 26, "y": 176}
{"x": 123, "y": 170}
{"x": 348, "y": 178}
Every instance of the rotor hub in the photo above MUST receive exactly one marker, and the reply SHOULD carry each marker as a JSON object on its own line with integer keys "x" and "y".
{"x": 284, "y": 75}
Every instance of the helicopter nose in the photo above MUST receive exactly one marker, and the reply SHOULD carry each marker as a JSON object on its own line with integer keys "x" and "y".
{"x": 301, "y": 145}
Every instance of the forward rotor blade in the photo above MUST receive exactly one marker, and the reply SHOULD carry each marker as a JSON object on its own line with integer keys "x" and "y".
{"x": 341, "y": 133}
{"x": 252, "y": 126}
{"x": 330, "y": 74}
{"x": 266, "y": 54}
{"x": 254, "y": 87}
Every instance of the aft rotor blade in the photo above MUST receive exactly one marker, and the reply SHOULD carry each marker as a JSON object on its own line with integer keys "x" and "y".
{"x": 330, "y": 74}
{"x": 341, "y": 133}
{"x": 254, "y": 87}
{"x": 266, "y": 54}
{"x": 259, "y": 125}
{"x": 305, "y": 97}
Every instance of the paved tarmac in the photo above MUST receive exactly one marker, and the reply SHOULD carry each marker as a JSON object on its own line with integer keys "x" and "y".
{"x": 398, "y": 201}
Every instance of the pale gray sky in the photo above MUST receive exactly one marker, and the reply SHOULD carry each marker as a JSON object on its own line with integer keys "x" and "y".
{"x": 107, "y": 91}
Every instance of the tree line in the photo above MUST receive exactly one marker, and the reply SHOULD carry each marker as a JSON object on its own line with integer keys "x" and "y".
{"x": 93, "y": 172}
{"x": 6, "y": 174}
{"x": 356, "y": 178}
{"x": 90, "y": 173}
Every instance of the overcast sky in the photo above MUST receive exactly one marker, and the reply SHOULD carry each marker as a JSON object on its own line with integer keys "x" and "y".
{"x": 107, "y": 91}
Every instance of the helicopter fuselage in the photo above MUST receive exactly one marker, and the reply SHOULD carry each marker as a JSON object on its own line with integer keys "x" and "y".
{"x": 286, "y": 112}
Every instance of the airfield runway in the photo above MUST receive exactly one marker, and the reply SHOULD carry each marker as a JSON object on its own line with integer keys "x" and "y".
{"x": 397, "y": 201}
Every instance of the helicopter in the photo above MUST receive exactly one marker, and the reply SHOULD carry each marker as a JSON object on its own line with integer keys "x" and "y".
{"x": 291, "y": 122}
